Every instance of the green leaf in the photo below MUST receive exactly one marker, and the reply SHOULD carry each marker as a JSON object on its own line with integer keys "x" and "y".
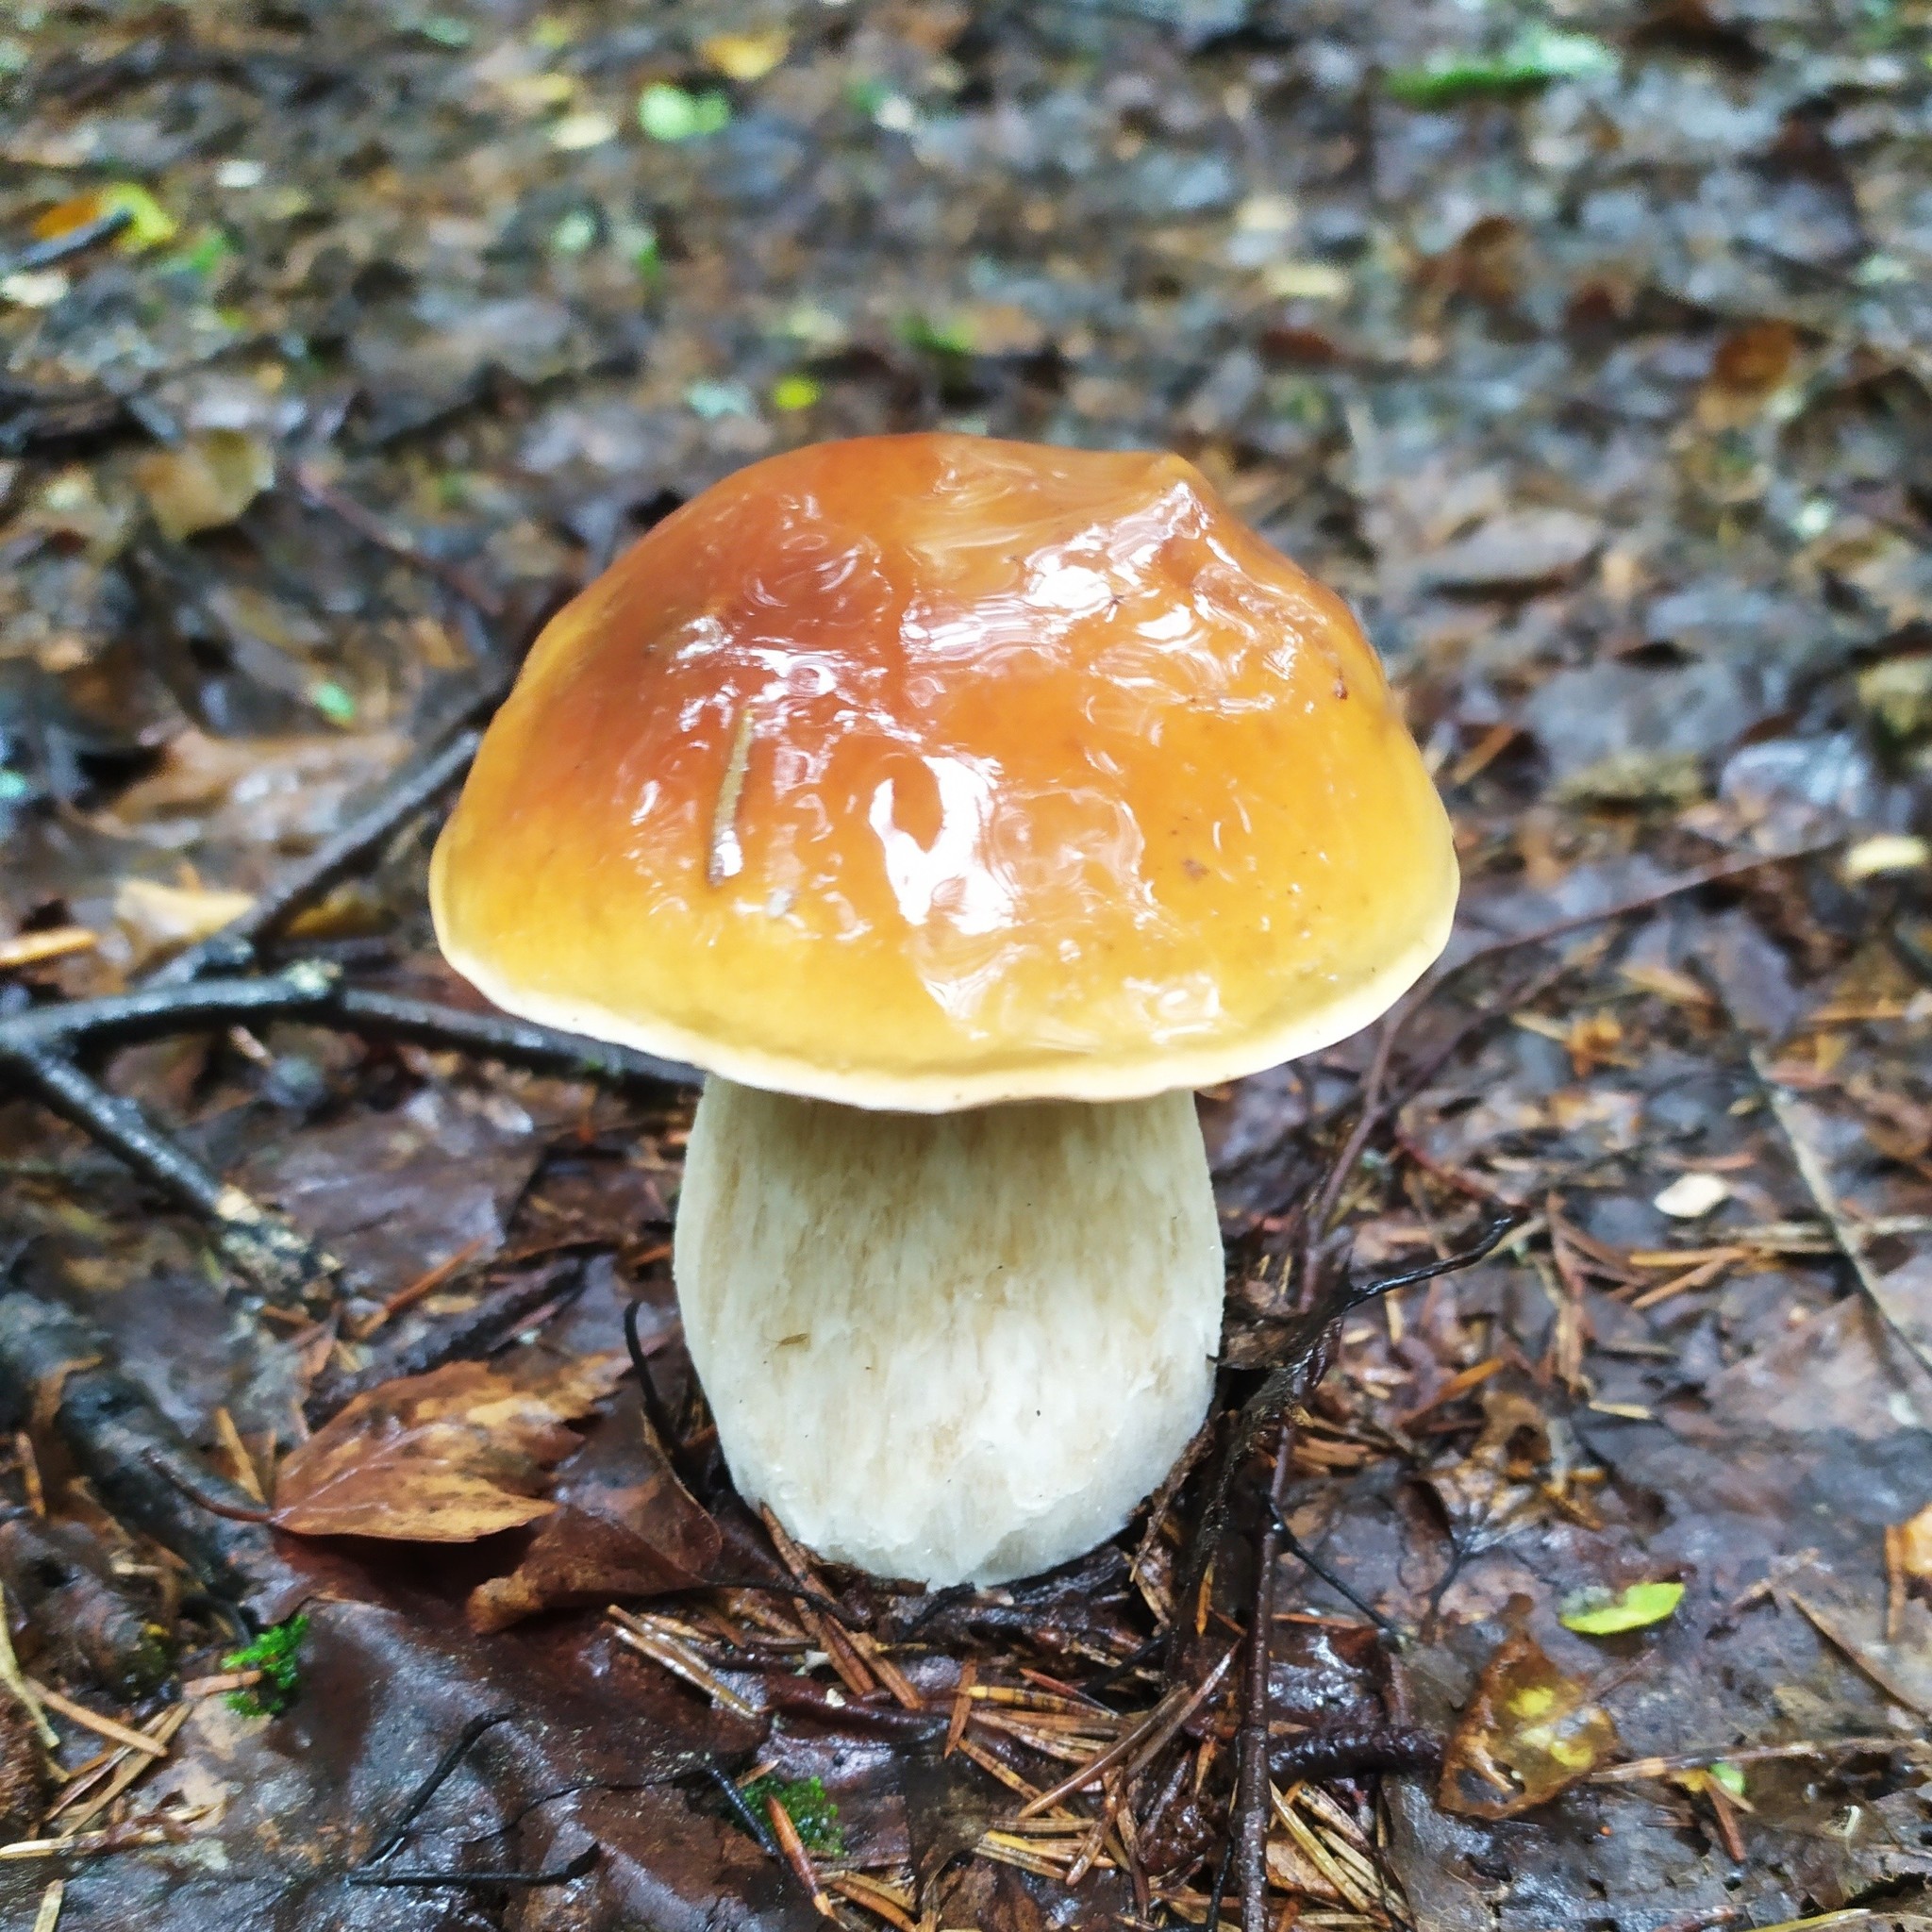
{"x": 149, "y": 224}
{"x": 1597, "y": 1613}
{"x": 1533, "y": 59}
{"x": 333, "y": 702}
{"x": 795, "y": 392}
{"x": 811, "y": 1811}
{"x": 273, "y": 1653}
{"x": 204, "y": 255}
{"x": 670, "y": 113}
{"x": 1729, "y": 1776}
{"x": 936, "y": 337}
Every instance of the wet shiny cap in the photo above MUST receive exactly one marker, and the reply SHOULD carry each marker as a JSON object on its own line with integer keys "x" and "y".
{"x": 924, "y": 771}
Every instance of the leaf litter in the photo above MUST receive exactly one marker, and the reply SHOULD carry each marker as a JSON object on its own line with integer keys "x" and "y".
{"x": 1585, "y": 357}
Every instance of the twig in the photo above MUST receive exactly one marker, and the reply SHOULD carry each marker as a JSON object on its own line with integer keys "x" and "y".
{"x": 742, "y": 1811}
{"x": 1847, "y": 1237}
{"x": 657, "y": 1417}
{"x": 281, "y": 1261}
{"x": 409, "y": 794}
{"x": 674, "y": 1658}
{"x": 118, "y": 1439}
{"x": 1350, "y": 1750}
{"x": 101, "y": 1726}
{"x": 15, "y": 1679}
{"x": 1300, "y": 1552}
{"x": 1302, "y": 1361}
{"x": 414, "y": 1805}
{"x": 215, "y": 1506}
{"x": 316, "y": 491}
{"x": 84, "y": 1844}
{"x": 791, "y": 1848}
{"x": 1141, "y": 1743}
{"x": 1637, "y": 902}
{"x": 133, "y": 1766}
{"x": 1344, "y": 1164}
{"x": 1249, "y": 1826}
{"x": 76, "y": 241}
{"x": 37, "y": 1051}
{"x": 404, "y": 1878}
{"x": 1637, "y": 1768}
{"x": 425, "y": 1284}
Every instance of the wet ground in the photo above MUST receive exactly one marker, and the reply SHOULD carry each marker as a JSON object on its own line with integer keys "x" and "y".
{"x": 1585, "y": 350}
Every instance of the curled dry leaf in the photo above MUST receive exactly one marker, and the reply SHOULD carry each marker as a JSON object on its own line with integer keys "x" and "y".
{"x": 445, "y": 1457}
{"x": 1529, "y": 1733}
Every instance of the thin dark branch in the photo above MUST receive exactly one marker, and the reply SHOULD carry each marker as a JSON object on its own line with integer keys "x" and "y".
{"x": 39, "y": 1049}
{"x": 76, "y": 241}
{"x": 1714, "y": 875}
{"x": 1299, "y": 1364}
{"x": 1489, "y": 1237}
{"x": 758, "y": 1827}
{"x": 1301, "y": 1553}
{"x": 120, "y": 1439}
{"x": 317, "y": 492}
{"x": 1344, "y": 1165}
{"x": 418, "y": 1801}
{"x": 277, "y": 1258}
{"x": 1249, "y": 1824}
{"x": 497, "y": 1036}
{"x": 215, "y": 1506}
{"x": 1349, "y": 1750}
{"x": 409, "y": 794}
{"x": 1223, "y": 1873}
{"x": 560, "y": 1874}
{"x": 657, "y": 1417}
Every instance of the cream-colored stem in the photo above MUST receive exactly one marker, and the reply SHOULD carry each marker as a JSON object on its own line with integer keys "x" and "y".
{"x": 949, "y": 1347}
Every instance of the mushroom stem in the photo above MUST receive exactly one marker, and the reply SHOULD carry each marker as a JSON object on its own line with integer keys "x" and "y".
{"x": 949, "y": 1347}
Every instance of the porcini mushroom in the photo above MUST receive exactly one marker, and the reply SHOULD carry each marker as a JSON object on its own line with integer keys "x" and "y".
{"x": 959, "y": 806}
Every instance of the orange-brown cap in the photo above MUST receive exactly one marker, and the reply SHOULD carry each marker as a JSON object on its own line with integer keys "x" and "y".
{"x": 922, "y": 772}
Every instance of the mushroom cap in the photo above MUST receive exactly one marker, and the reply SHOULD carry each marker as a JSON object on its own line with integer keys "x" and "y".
{"x": 924, "y": 771}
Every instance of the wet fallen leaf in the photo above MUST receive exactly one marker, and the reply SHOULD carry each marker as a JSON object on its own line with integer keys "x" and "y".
{"x": 444, "y": 1458}
{"x": 265, "y": 790}
{"x": 1530, "y": 1732}
{"x": 1602, "y": 1613}
{"x": 206, "y": 481}
{"x": 158, "y": 918}
{"x": 640, "y": 1540}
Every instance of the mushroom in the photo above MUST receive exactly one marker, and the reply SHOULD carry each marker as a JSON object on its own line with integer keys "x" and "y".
{"x": 959, "y": 807}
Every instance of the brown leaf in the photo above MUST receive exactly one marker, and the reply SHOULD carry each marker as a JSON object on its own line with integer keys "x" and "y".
{"x": 1528, "y": 1734}
{"x": 444, "y": 1458}
{"x": 206, "y": 481}
{"x": 643, "y": 1539}
{"x": 1915, "y": 1546}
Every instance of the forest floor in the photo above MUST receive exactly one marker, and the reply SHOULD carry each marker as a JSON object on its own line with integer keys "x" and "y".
{"x": 1587, "y": 349}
